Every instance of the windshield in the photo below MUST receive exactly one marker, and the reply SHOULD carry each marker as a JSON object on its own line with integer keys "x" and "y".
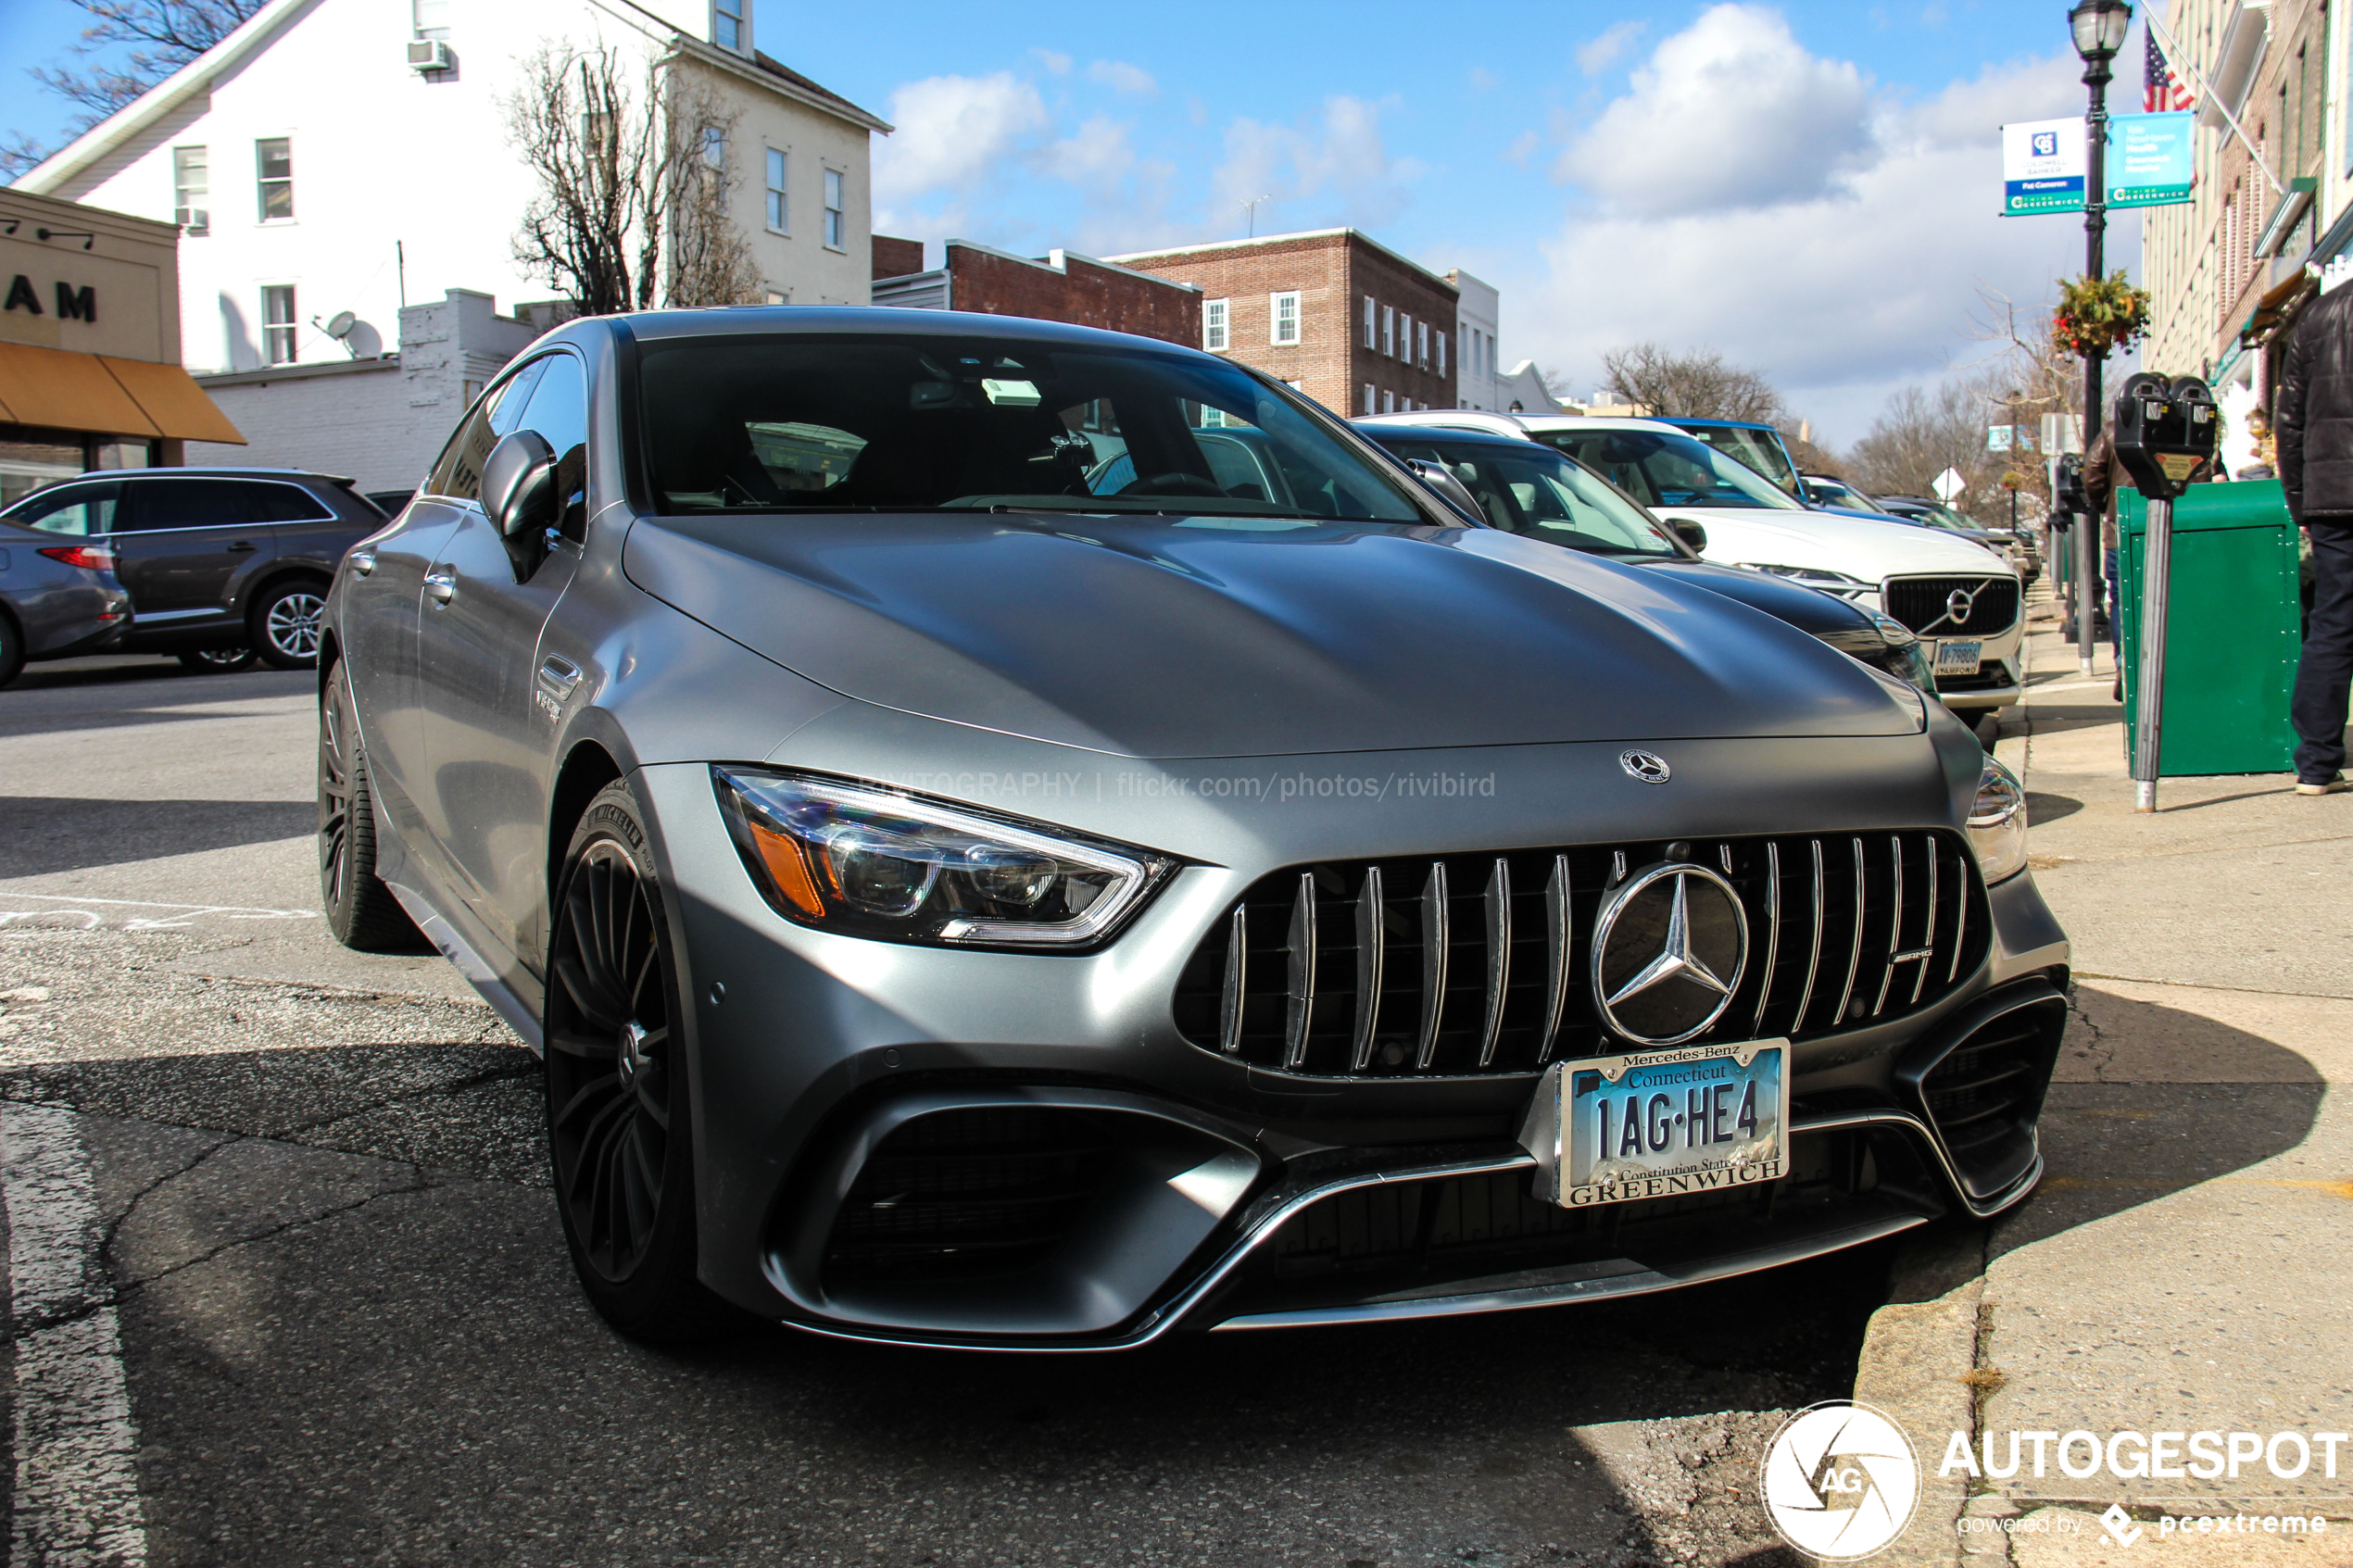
{"x": 860, "y": 424}
{"x": 1757, "y": 448}
{"x": 1835, "y": 492}
{"x": 1529, "y": 489}
{"x": 1660, "y": 469}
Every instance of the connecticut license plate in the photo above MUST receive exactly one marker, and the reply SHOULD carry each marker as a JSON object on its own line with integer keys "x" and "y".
{"x": 1960, "y": 658}
{"x": 1674, "y": 1122}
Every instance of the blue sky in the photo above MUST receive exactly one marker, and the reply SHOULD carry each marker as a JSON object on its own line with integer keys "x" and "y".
{"x": 1810, "y": 188}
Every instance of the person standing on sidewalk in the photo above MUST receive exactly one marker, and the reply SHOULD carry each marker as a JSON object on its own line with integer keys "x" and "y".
{"x": 2313, "y": 424}
{"x": 2104, "y": 477}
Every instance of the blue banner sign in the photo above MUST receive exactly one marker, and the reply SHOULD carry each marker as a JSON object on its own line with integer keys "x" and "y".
{"x": 2149, "y": 163}
{"x": 2149, "y": 160}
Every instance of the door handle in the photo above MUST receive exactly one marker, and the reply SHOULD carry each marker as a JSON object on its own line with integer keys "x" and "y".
{"x": 363, "y": 561}
{"x": 557, "y": 676}
{"x": 441, "y": 587}
{"x": 239, "y": 547}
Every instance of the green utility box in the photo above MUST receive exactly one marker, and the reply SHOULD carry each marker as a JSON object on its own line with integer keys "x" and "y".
{"x": 2233, "y": 629}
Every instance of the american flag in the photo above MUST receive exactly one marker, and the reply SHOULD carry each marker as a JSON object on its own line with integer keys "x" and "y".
{"x": 2160, "y": 89}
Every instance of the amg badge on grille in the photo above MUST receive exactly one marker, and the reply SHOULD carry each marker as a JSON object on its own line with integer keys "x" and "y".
{"x": 1668, "y": 951}
{"x": 1647, "y": 766}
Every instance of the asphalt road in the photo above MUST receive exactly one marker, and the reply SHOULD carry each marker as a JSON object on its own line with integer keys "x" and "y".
{"x": 286, "y": 1285}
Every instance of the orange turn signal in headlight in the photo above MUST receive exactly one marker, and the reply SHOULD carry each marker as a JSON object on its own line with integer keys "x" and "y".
{"x": 787, "y": 870}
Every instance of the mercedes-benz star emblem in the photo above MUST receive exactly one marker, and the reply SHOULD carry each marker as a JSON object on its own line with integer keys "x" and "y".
{"x": 1668, "y": 952}
{"x": 1647, "y": 766}
{"x": 1958, "y": 605}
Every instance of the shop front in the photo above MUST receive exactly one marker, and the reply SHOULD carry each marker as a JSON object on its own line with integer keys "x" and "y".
{"x": 90, "y": 373}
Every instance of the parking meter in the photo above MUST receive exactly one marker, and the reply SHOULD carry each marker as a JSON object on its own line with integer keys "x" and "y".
{"x": 2164, "y": 434}
{"x": 2072, "y": 503}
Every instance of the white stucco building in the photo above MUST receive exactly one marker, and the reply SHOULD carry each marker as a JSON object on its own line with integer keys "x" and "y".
{"x": 1480, "y": 378}
{"x": 334, "y": 156}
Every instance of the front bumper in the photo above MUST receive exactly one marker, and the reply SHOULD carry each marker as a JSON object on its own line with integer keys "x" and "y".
{"x": 1211, "y": 1193}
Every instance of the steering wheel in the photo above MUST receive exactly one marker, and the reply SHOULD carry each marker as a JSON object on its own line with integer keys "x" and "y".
{"x": 1175, "y": 482}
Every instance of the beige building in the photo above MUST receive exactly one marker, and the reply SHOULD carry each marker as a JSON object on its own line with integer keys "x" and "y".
{"x": 90, "y": 372}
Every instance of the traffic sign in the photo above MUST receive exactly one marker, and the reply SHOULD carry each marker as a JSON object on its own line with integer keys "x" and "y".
{"x": 1948, "y": 485}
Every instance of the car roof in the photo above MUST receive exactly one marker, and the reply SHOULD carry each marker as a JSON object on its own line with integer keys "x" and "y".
{"x": 872, "y": 321}
{"x": 1377, "y": 430}
{"x": 1734, "y": 425}
{"x": 214, "y": 472}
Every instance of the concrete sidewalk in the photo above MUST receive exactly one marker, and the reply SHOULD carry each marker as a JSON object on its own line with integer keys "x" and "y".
{"x": 2184, "y": 1267}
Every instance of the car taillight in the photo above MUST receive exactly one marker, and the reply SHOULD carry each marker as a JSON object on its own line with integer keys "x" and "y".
{"x": 98, "y": 558}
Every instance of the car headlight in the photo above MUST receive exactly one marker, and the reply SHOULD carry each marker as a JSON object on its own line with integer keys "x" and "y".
{"x": 1828, "y": 581}
{"x": 1997, "y": 823}
{"x": 1895, "y": 632}
{"x": 867, "y": 861}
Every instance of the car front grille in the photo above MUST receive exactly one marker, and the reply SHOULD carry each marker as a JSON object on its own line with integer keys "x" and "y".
{"x": 963, "y": 1194}
{"x": 1924, "y": 604}
{"x": 1478, "y": 964}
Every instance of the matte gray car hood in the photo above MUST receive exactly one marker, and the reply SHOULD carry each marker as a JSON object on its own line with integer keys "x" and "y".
{"x": 1226, "y": 637}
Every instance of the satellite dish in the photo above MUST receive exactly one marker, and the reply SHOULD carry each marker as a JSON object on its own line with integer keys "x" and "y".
{"x": 339, "y": 325}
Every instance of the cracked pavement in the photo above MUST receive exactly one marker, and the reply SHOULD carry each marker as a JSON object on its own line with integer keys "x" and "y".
{"x": 351, "y": 1334}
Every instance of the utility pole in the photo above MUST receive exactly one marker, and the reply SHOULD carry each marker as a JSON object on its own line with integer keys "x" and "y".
{"x": 2099, "y": 27}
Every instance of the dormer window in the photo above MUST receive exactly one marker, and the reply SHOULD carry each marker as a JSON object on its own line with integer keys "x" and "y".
{"x": 730, "y": 28}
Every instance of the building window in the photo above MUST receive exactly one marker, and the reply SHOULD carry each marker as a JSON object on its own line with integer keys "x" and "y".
{"x": 192, "y": 189}
{"x": 1282, "y": 313}
{"x": 1372, "y": 332}
{"x": 1404, "y": 337}
{"x": 1212, "y": 325}
{"x": 727, "y": 28}
{"x": 1422, "y": 355}
{"x": 273, "y": 169}
{"x": 1371, "y": 399}
{"x": 1388, "y": 402}
{"x": 1389, "y": 331}
{"x": 430, "y": 19}
{"x": 1442, "y": 354}
{"x": 779, "y": 205}
{"x": 278, "y": 324}
{"x": 833, "y": 209}
{"x": 776, "y": 298}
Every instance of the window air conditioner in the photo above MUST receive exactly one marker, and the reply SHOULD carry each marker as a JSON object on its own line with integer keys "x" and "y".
{"x": 431, "y": 53}
{"x": 195, "y": 219}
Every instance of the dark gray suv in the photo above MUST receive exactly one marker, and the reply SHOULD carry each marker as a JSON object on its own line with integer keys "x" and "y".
{"x": 215, "y": 559}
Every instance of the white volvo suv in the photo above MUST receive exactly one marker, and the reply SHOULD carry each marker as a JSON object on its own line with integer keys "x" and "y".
{"x": 1961, "y": 599}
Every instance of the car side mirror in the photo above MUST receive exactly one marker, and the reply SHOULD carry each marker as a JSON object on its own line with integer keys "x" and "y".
{"x": 1450, "y": 489}
{"x": 1690, "y": 532}
{"x": 519, "y": 484}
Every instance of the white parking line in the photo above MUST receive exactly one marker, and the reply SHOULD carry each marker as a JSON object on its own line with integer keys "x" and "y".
{"x": 177, "y": 917}
{"x": 77, "y": 1479}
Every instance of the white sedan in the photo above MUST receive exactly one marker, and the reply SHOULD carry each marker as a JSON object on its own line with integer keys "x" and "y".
{"x": 1961, "y": 599}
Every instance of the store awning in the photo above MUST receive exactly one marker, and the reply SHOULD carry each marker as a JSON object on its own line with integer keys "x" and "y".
{"x": 2278, "y": 304}
{"x": 62, "y": 390}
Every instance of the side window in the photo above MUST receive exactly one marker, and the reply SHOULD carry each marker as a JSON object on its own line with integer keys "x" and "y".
{"x": 559, "y": 411}
{"x": 458, "y": 473}
{"x": 186, "y": 503}
{"x": 76, "y": 510}
{"x": 274, "y": 502}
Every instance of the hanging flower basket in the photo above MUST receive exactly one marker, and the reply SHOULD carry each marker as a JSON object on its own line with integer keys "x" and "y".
{"x": 2096, "y": 316}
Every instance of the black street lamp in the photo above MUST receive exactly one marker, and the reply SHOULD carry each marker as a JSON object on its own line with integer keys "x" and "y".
{"x": 2099, "y": 27}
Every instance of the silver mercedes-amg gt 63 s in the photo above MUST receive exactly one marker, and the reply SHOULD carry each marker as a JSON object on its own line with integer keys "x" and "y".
{"x": 1014, "y": 835}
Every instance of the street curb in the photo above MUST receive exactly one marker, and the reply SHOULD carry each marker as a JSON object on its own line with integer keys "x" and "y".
{"x": 1917, "y": 1351}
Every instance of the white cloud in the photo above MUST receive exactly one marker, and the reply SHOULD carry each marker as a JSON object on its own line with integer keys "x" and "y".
{"x": 1835, "y": 245}
{"x": 1730, "y": 112}
{"x": 1097, "y": 155}
{"x": 1121, "y": 77}
{"x": 1057, "y": 63}
{"x": 1598, "y": 54}
{"x": 954, "y": 134}
{"x": 1334, "y": 167}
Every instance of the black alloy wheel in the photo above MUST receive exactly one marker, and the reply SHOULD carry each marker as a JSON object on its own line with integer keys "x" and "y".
{"x": 360, "y": 910}
{"x": 286, "y": 623}
{"x": 617, "y": 1111}
{"x": 11, "y": 651}
{"x": 217, "y": 661}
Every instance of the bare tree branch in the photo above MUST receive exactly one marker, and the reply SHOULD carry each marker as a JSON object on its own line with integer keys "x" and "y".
{"x": 169, "y": 33}
{"x": 1692, "y": 384}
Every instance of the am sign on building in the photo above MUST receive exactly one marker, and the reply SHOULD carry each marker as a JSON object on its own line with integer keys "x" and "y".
{"x": 353, "y": 156}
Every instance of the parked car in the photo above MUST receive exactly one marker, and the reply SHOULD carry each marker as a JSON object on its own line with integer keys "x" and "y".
{"x": 968, "y": 898}
{"x": 1834, "y": 493}
{"x": 1529, "y": 489}
{"x": 2018, "y": 544}
{"x": 1751, "y": 442}
{"x": 217, "y": 561}
{"x": 1964, "y": 601}
{"x": 59, "y": 598}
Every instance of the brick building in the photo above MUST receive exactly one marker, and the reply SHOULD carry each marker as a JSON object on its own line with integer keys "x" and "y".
{"x": 1342, "y": 317}
{"x": 1063, "y": 286}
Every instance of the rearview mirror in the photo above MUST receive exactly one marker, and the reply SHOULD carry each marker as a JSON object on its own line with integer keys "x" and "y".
{"x": 1452, "y": 490}
{"x": 1690, "y": 532}
{"x": 519, "y": 484}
